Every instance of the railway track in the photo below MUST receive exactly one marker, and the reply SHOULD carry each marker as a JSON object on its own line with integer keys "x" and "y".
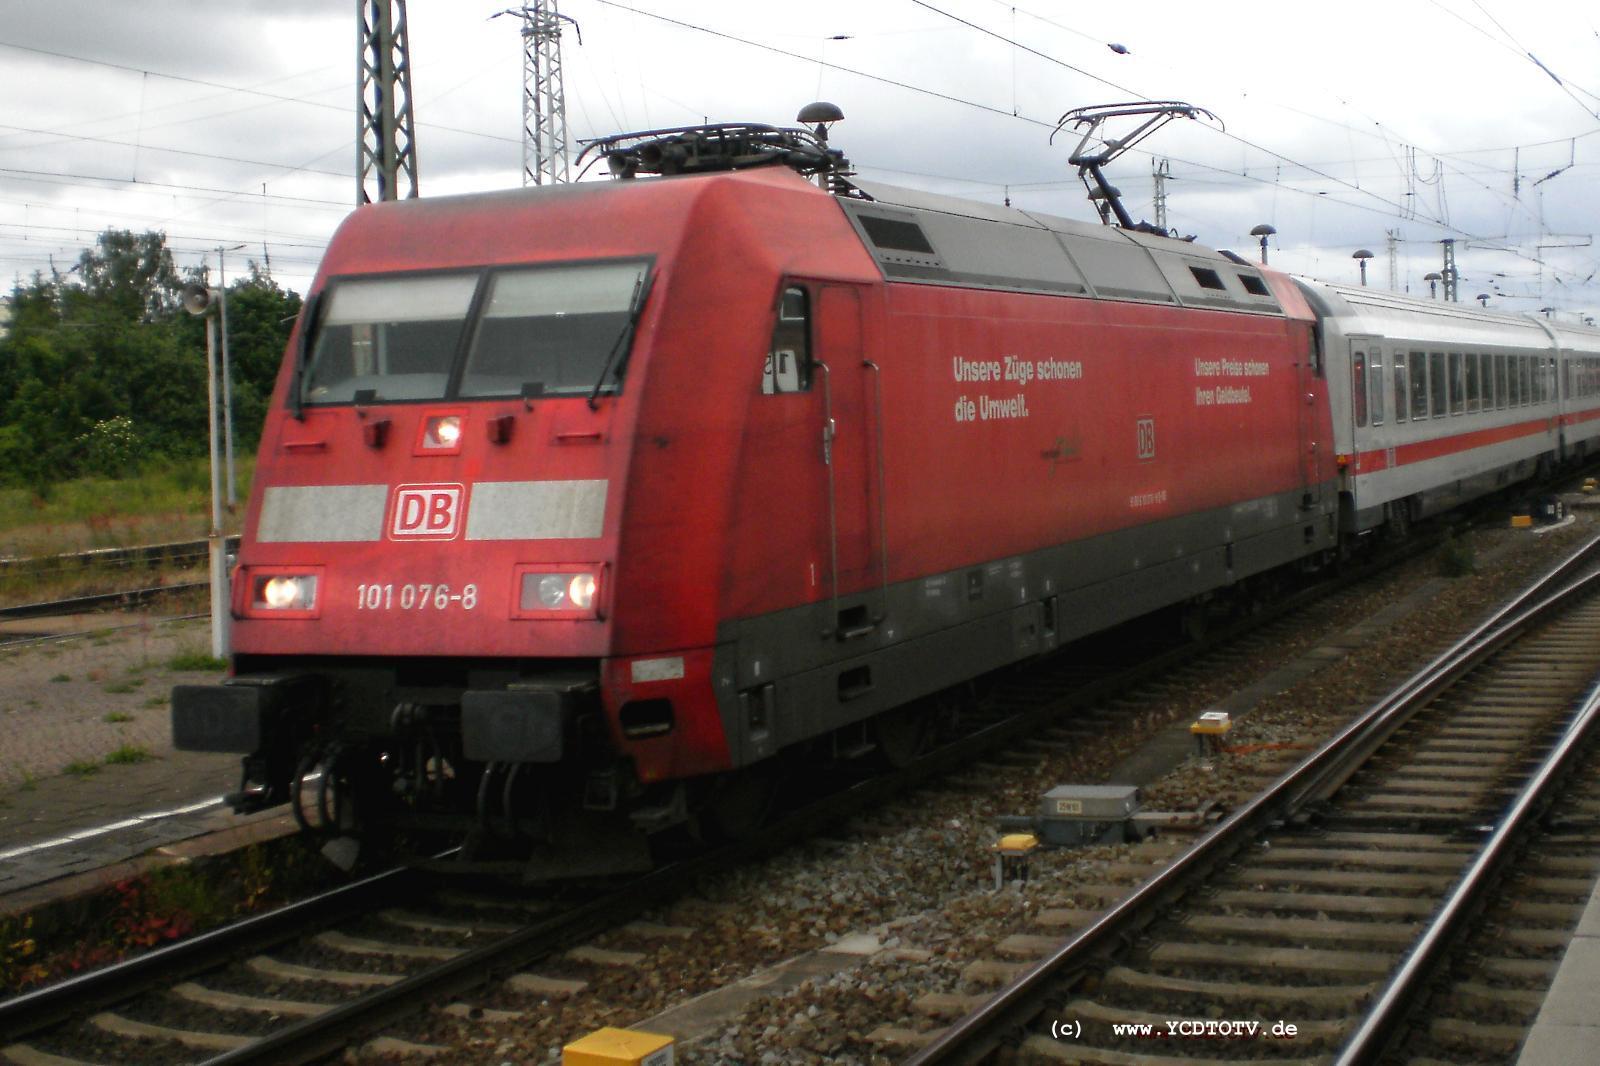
{"x": 1495, "y": 980}
{"x": 239, "y": 994}
{"x": 178, "y": 555}
{"x": 173, "y": 553}
{"x": 257, "y": 1000}
{"x": 1326, "y": 901}
{"x": 186, "y": 1002}
{"x": 101, "y": 601}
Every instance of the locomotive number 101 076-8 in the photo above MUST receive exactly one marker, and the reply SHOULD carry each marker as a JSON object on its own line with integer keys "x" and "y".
{"x": 421, "y": 597}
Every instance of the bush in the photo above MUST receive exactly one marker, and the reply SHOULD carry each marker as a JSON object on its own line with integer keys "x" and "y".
{"x": 112, "y": 448}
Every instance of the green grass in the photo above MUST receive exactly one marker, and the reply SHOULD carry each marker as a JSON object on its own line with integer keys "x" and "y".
{"x": 127, "y": 755}
{"x": 120, "y": 716}
{"x": 196, "y": 661}
{"x": 29, "y": 782}
{"x": 60, "y": 678}
{"x": 118, "y": 511}
{"x": 81, "y": 768}
{"x": 118, "y": 688}
{"x": 156, "y": 701}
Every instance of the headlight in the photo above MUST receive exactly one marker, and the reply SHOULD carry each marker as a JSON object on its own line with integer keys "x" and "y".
{"x": 442, "y": 432}
{"x": 580, "y": 590}
{"x": 284, "y": 592}
{"x": 552, "y": 591}
{"x": 573, "y": 591}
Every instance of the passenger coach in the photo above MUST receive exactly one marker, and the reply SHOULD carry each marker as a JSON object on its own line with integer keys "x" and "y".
{"x": 1446, "y": 403}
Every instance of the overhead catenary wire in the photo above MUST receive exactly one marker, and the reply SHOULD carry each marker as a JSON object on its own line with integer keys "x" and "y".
{"x": 1477, "y": 164}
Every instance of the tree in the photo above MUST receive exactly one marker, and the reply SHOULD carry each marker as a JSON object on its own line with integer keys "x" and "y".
{"x": 260, "y": 317}
{"x": 132, "y": 274}
{"x": 102, "y": 361}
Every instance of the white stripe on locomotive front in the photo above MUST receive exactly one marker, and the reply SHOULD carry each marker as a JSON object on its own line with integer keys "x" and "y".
{"x": 294, "y": 514}
{"x": 536, "y": 510}
{"x": 498, "y": 510}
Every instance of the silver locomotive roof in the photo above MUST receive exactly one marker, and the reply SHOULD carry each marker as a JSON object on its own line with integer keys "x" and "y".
{"x": 925, "y": 237}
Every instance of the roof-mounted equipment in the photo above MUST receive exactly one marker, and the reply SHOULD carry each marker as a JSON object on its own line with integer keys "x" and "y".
{"x": 724, "y": 146}
{"x": 1091, "y": 161}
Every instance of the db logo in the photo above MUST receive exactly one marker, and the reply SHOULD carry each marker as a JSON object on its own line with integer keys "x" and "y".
{"x": 1146, "y": 431}
{"x": 430, "y": 511}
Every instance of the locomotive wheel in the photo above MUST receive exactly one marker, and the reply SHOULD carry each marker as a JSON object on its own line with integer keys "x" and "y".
{"x": 739, "y": 803}
{"x": 903, "y": 733}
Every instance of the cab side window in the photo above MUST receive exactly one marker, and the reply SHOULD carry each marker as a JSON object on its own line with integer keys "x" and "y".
{"x": 788, "y": 365}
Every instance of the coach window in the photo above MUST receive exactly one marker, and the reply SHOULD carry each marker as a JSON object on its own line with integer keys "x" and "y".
{"x": 1458, "y": 386}
{"x": 1474, "y": 385}
{"x": 1358, "y": 386}
{"x": 1375, "y": 384}
{"x": 1401, "y": 386}
{"x": 1502, "y": 391}
{"x": 1540, "y": 375}
{"x": 788, "y": 365}
{"x": 1438, "y": 384}
{"x": 1514, "y": 380}
{"x": 1526, "y": 370}
{"x": 1419, "y": 385}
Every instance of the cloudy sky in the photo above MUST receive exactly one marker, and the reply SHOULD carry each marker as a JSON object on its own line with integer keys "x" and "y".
{"x": 233, "y": 122}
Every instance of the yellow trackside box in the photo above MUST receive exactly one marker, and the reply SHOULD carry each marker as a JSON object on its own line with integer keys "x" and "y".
{"x": 619, "y": 1047}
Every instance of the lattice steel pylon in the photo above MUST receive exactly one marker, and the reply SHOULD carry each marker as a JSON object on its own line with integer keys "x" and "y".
{"x": 544, "y": 100}
{"x": 1161, "y": 170}
{"x": 386, "y": 145}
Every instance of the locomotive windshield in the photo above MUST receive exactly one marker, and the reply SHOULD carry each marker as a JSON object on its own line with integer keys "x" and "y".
{"x": 548, "y": 330}
{"x": 394, "y": 338}
{"x": 553, "y": 326}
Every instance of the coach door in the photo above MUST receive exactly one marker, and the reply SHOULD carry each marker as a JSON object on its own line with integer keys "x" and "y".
{"x": 1310, "y": 370}
{"x": 849, "y": 397}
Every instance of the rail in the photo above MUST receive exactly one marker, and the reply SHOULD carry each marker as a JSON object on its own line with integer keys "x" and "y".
{"x": 1384, "y": 1017}
{"x": 135, "y": 555}
{"x": 32, "y": 1011}
{"x": 974, "y": 1036}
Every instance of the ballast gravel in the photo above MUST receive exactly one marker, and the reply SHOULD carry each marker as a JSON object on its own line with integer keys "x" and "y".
{"x": 917, "y": 874}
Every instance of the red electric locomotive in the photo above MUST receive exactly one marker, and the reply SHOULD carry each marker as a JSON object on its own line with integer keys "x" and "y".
{"x": 578, "y": 505}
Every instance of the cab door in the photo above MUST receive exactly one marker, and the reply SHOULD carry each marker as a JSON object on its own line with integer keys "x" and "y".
{"x": 846, "y": 389}
{"x": 803, "y": 529}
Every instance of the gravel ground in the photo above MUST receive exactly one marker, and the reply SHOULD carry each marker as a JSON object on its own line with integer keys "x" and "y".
{"x": 917, "y": 876}
{"x": 80, "y": 700}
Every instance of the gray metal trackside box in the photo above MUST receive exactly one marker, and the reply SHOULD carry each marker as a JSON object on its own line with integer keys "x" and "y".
{"x": 1086, "y": 814}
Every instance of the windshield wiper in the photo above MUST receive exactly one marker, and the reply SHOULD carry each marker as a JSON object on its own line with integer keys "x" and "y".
{"x": 641, "y": 292}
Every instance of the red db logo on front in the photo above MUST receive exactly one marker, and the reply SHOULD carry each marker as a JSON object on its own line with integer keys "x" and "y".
{"x": 431, "y": 511}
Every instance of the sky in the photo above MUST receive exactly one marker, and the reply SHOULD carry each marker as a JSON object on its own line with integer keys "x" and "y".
{"x": 1385, "y": 126}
